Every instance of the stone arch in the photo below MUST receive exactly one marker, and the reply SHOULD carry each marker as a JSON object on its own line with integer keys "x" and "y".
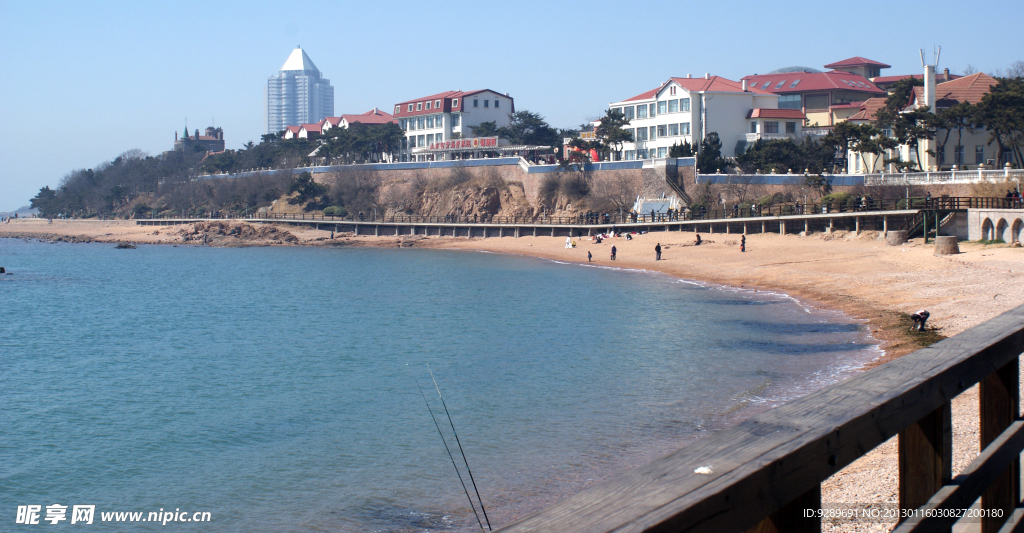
{"x": 1015, "y": 230}
{"x": 1002, "y": 230}
{"x": 987, "y": 231}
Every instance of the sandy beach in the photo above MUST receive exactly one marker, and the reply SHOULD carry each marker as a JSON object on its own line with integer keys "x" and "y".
{"x": 857, "y": 274}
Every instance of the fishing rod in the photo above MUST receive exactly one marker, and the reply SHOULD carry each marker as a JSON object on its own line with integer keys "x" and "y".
{"x": 460, "y": 449}
{"x": 468, "y": 497}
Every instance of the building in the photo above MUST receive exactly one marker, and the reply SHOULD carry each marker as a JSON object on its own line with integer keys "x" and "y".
{"x": 373, "y": 116}
{"x": 964, "y": 150}
{"x": 445, "y": 116}
{"x": 824, "y": 97}
{"x": 297, "y": 94}
{"x": 685, "y": 110}
{"x": 213, "y": 141}
{"x": 884, "y": 82}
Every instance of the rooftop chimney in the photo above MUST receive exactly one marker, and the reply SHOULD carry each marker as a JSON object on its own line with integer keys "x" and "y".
{"x": 945, "y": 74}
{"x": 688, "y": 75}
{"x": 707, "y": 75}
{"x": 744, "y": 85}
{"x": 929, "y": 87}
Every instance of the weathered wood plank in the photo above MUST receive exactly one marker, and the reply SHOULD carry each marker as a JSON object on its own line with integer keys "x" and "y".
{"x": 965, "y": 489}
{"x": 1000, "y": 405}
{"x": 790, "y": 518}
{"x": 1016, "y": 522}
{"x": 925, "y": 457}
{"x": 770, "y": 460}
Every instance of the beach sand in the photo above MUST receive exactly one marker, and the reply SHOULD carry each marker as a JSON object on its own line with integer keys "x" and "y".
{"x": 857, "y": 274}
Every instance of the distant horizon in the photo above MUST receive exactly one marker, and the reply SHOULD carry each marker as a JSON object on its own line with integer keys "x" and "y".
{"x": 113, "y": 77}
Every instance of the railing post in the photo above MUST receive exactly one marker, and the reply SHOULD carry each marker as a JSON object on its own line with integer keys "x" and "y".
{"x": 1000, "y": 405}
{"x": 925, "y": 457}
{"x": 790, "y": 518}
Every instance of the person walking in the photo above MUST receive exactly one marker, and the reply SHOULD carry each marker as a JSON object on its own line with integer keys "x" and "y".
{"x": 657, "y": 252}
{"x": 613, "y": 252}
{"x": 743, "y": 243}
{"x": 590, "y": 257}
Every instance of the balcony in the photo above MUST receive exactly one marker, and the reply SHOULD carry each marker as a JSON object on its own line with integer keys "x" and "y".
{"x": 751, "y": 137}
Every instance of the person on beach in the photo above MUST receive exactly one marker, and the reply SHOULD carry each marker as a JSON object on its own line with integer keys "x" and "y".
{"x": 590, "y": 257}
{"x": 743, "y": 243}
{"x": 657, "y": 252}
{"x": 568, "y": 242}
{"x": 613, "y": 252}
{"x": 698, "y": 240}
{"x": 919, "y": 319}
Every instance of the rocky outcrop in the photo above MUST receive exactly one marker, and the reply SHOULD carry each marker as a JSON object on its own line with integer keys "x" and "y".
{"x": 234, "y": 234}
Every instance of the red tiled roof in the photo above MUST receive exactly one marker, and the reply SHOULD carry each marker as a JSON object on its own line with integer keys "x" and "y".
{"x": 851, "y": 105}
{"x": 333, "y": 121}
{"x": 293, "y": 129}
{"x": 965, "y": 89}
{"x": 313, "y": 128}
{"x": 715, "y": 84}
{"x": 856, "y": 61}
{"x": 892, "y": 79}
{"x": 373, "y": 116}
{"x": 813, "y": 81}
{"x": 868, "y": 108}
{"x": 446, "y": 103}
{"x": 776, "y": 113}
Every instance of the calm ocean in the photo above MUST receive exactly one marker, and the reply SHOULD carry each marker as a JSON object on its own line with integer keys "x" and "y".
{"x": 275, "y": 388}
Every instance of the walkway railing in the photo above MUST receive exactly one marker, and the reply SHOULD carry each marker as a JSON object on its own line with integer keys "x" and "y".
{"x": 947, "y": 176}
{"x": 765, "y": 474}
{"x": 789, "y": 209}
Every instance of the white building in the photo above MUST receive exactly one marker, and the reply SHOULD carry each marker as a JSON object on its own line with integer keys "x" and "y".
{"x": 449, "y": 115}
{"x": 297, "y": 94}
{"x": 687, "y": 109}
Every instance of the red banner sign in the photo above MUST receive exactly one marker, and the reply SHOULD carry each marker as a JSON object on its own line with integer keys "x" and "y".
{"x": 471, "y": 144}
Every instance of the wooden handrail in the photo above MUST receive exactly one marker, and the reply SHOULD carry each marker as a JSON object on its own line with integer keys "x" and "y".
{"x": 765, "y": 471}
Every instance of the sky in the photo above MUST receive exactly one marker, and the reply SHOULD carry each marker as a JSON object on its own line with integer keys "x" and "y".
{"x": 85, "y": 82}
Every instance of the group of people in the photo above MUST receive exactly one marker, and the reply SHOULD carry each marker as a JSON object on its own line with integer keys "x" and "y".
{"x": 1014, "y": 197}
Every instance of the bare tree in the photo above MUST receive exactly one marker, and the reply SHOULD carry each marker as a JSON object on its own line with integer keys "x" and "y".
{"x": 1015, "y": 70}
{"x": 969, "y": 69}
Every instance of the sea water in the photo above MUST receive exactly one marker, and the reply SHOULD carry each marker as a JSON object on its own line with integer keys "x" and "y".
{"x": 278, "y": 389}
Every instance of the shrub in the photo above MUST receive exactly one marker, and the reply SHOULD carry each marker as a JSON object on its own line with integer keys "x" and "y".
{"x": 336, "y": 210}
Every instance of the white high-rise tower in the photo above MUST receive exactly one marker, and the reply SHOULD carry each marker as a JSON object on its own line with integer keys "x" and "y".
{"x": 297, "y": 94}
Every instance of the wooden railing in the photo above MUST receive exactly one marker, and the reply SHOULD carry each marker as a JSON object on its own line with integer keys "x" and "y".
{"x": 765, "y": 474}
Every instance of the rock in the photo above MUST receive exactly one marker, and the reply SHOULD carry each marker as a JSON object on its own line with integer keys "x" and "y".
{"x": 896, "y": 238}
{"x": 2, "y": 271}
{"x": 946, "y": 246}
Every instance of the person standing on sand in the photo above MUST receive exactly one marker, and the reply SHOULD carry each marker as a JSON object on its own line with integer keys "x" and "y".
{"x": 613, "y": 252}
{"x": 590, "y": 257}
{"x": 568, "y": 242}
{"x": 657, "y": 252}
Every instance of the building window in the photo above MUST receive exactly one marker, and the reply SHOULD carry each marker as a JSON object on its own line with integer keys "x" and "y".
{"x": 428, "y": 104}
{"x": 496, "y": 102}
{"x": 641, "y": 111}
{"x": 430, "y": 138}
{"x": 662, "y": 108}
{"x": 684, "y": 128}
{"x": 619, "y": 109}
{"x": 653, "y": 132}
{"x": 476, "y": 103}
{"x": 455, "y": 120}
{"x": 771, "y": 127}
{"x": 753, "y": 127}
{"x": 651, "y": 107}
{"x": 420, "y": 140}
{"x": 789, "y": 101}
{"x": 404, "y": 124}
{"x": 662, "y": 152}
{"x": 780, "y": 84}
{"x": 641, "y": 134}
{"x": 791, "y": 85}
{"x": 437, "y": 104}
{"x": 455, "y": 103}
{"x": 412, "y": 141}
{"x": 673, "y": 106}
{"x": 766, "y": 84}
{"x": 958, "y": 155}
{"x": 817, "y": 102}
{"x": 398, "y": 109}
{"x": 672, "y": 90}
{"x": 438, "y": 121}
{"x": 410, "y": 107}
{"x": 628, "y": 111}
{"x": 791, "y": 127}
{"x": 630, "y": 155}
{"x": 684, "y": 104}
{"x": 662, "y": 130}
{"x": 979, "y": 154}
{"x": 419, "y": 106}
{"x": 430, "y": 121}
{"x": 641, "y": 154}
{"x": 673, "y": 130}
{"x": 420, "y": 123}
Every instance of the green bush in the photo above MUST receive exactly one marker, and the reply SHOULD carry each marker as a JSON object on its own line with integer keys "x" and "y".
{"x": 840, "y": 197}
{"x": 336, "y": 210}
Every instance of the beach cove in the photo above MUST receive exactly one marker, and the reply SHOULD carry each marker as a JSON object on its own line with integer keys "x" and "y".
{"x": 858, "y": 275}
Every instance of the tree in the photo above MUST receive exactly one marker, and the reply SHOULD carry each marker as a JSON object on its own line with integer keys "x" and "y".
{"x": 709, "y": 158}
{"x": 612, "y": 132}
{"x": 954, "y": 118}
{"x": 485, "y": 129}
{"x": 776, "y": 156}
{"x": 46, "y": 202}
{"x": 1015, "y": 70}
{"x": 681, "y": 150}
{"x": 309, "y": 192}
{"x": 529, "y": 128}
{"x": 1001, "y": 112}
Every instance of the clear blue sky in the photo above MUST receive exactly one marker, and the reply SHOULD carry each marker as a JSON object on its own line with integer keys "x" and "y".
{"x": 84, "y": 82}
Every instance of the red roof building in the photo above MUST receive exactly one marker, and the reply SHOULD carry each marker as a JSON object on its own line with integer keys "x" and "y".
{"x": 859, "y": 65}
{"x": 824, "y": 97}
{"x": 452, "y": 114}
